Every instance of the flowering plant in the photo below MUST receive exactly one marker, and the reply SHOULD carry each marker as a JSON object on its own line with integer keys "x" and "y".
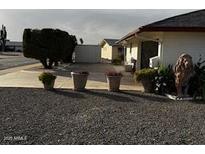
{"x": 113, "y": 73}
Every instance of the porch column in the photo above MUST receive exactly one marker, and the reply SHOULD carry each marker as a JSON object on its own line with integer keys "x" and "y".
{"x": 124, "y": 44}
{"x": 160, "y": 50}
{"x": 124, "y": 50}
{"x": 139, "y": 56}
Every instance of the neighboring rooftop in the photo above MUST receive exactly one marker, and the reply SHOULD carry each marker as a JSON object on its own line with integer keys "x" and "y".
{"x": 111, "y": 42}
{"x": 192, "y": 21}
{"x": 14, "y": 43}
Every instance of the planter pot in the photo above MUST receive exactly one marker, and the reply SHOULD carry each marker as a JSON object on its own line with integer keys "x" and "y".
{"x": 49, "y": 86}
{"x": 113, "y": 83}
{"x": 79, "y": 81}
{"x": 147, "y": 84}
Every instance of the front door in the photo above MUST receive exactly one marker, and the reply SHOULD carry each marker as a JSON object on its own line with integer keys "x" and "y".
{"x": 148, "y": 49}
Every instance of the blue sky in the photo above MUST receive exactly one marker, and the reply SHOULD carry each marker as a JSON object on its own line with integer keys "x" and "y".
{"x": 91, "y": 25}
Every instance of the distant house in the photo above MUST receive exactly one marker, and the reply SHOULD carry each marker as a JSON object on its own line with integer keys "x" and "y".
{"x": 110, "y": 50}
{"x": 14, "y": 46}
{"x": 162, "y": 42}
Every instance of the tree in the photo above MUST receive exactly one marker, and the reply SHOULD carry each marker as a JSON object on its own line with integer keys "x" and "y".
{"x": 3, "y": 36}
{"x": 68, "y": 57}
{"x": 48, "y": 45}
{"x": 81, "y": 41}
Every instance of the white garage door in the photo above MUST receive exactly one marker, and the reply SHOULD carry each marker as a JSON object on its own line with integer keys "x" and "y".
{"x": 87, "y": 54}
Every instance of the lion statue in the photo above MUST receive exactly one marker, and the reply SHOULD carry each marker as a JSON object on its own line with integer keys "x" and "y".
{"x": 183, "y": 71}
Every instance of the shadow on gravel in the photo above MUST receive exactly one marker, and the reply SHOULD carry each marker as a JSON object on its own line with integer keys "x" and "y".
{"x": 68, "y": 94}
{"x": 147, "y": 97}
{"x": 113, "y": 96}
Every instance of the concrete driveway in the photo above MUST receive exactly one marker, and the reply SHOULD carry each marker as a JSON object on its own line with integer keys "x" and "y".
{"x": 28, "y": 76}
{"x": 14, "y": 59}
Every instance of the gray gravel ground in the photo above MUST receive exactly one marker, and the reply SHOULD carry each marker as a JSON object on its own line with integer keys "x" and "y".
{"x": 36, "y": 116}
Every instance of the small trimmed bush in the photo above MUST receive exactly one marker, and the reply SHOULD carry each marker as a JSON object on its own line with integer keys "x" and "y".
{"x": 117, "y": 61}
{"x": 197, "y": 81}
{"x": 146, "y": 74}
{"x": 47, "y": 78}
{"x": 164, "y": 81}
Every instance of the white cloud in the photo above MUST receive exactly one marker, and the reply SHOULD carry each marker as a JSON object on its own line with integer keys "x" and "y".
{"x": 91, "y": 25}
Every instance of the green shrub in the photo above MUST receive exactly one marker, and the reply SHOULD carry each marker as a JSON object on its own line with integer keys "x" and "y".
{"x": 146, "y": 74}
{"x": 48, "y": 45}
{"x": 117, "y": 61}
{"x": 47, "y": 78}
{"x": 197, "y": 81}
{"x": 164, "y": 81}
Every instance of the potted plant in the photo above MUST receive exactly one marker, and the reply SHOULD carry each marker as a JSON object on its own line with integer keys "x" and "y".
{"x": 79, "y": 80}
{"x": 113, "y": 79}
{"x": 48, "y": 80}
{"x": 146, "y": 76}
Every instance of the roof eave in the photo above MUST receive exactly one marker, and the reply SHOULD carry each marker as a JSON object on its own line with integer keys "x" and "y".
{"x": 102, "y": 43}
{"x": 129, "y": 35}
{"x": 172, "y": 29}
{"x": 162, "y": 29}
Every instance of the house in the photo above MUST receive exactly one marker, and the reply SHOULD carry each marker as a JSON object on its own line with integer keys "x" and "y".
{"x": 110, "y": 50}
{"x": 162, "y": 42}
{"x": 14, "y": 46}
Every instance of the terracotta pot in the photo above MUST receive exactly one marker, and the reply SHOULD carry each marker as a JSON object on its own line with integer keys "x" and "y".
{"x": 79, "y": 81}
{"x": 147, "y": 84}
{"x": 113, "y": 83}
{"x": 49, "y": 86}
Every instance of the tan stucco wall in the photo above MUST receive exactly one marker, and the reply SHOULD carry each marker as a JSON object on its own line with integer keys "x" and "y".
{"x": 106, "y": 52}
{"x": 109, "y": 52}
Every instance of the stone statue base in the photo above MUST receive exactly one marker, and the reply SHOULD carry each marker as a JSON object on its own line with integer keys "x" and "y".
{"x": 182, "y": 98}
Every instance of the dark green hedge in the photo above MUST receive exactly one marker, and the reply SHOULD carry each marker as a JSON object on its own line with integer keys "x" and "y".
{"x": 52, "y": 44}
